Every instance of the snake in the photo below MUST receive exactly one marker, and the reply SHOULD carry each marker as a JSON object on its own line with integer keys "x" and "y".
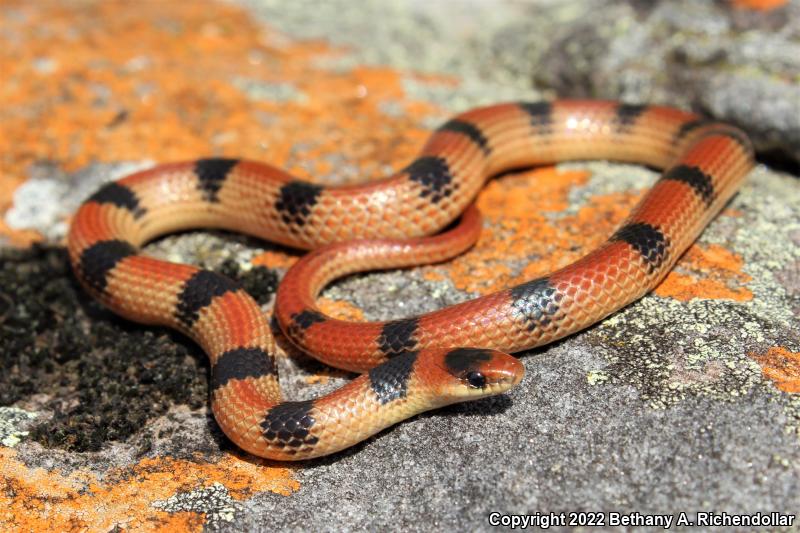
{"x": 423, "y": 213}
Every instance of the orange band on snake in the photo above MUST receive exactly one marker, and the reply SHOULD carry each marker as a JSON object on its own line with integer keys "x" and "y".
{"x": 415, "y": 364}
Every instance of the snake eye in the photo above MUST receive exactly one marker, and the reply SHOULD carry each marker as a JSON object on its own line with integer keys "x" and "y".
{"x": 476, "y": 380}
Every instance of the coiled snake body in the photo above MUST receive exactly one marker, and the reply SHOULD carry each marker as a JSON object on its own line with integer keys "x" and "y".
{"x": 418, "y": 363}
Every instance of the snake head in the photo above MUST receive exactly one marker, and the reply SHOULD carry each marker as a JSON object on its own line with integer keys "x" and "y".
{"x": 463, "y": 374}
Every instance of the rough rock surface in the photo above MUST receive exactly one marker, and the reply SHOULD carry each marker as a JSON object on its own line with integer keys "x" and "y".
{"x": 738, "y": 65}
{"x": 688, "y": 400}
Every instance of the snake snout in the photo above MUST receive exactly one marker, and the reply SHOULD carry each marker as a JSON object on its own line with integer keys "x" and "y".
{"x": 504, "y": 370}
{"x": 477, "y": 372}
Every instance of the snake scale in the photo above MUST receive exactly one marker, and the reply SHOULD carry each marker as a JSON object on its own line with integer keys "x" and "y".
{"x": 413, "y": 364}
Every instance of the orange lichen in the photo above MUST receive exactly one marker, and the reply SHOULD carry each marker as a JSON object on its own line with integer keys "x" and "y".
{"x": 181, "y": 80}
{"x": 517, "y": 206}
{"x": 759, "y": 5}
{"x": 317, "y": 379}
{"x": 709, "y": 272}
{"x": 340, "y": 309}
{"x": 47, "y": 500}
{"x": 275, "y": 259}
{"x": 522, "y": 230}
{"x": 781, "y": 366}
{"x": 18, "y": 237}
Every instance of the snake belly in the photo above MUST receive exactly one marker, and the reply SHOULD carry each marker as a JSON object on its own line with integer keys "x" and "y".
{"x": 388, "y": 223}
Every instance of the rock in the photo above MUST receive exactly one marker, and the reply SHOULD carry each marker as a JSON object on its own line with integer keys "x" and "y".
{"x": 735, "y": 65}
